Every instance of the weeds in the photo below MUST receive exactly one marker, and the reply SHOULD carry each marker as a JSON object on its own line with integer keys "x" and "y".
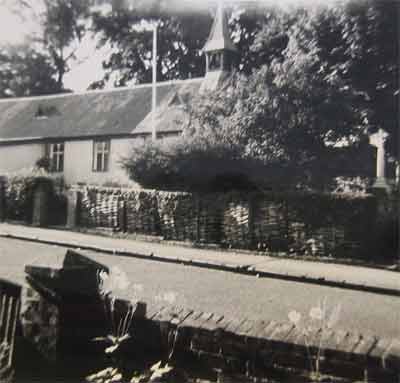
{"x": 319, "y": 322}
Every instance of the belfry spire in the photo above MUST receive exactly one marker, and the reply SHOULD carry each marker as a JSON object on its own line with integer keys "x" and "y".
{"x": 219, "y": 38}
{"x": 220, "y": 51}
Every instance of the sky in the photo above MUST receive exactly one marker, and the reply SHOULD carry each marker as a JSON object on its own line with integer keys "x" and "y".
{"x": 87, "y": 68}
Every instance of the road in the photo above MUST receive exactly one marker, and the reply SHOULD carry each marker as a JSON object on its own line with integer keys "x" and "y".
{"x": 220, "y": 291}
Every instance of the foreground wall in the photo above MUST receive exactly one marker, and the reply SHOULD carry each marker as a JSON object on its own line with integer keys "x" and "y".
{"x": 62, "y": 330}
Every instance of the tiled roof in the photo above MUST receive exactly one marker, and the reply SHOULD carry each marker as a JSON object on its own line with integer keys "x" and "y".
{"x": 171, "y": 113}
{"x": 94, "y": 113}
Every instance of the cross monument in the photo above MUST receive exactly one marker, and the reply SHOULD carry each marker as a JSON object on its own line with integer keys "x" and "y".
{"x": 378, "y": 140}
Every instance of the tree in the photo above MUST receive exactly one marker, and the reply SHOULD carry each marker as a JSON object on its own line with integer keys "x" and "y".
{"x": 25, "y": 72}
{"x": 180, "y": 37}
{"x": 371, "y": 29}
{"x": 276, "y": 124}
{"x": 63, "y": 23}
{"x": 262, "y": 130}
{"x": 182, "y": 34}
{"x": 261, "y": 35}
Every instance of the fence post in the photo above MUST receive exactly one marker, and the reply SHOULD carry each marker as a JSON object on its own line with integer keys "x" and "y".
{"x": 386, "y": 222}
{"x": 40, "y": 204}
{"x": 73, "y": 208}
{"x": 197, "y": 212}
{"x": 251, "y": 202}
{"x": 10, "y": 300}
{"x": 287, "y": 223}
{"x": 2, "y": 199}
{"x": 122, "y": 215}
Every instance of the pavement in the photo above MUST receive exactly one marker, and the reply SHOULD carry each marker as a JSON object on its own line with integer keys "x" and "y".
{"x": 207, "y": 290}
{"x": 379, "y": 281}
{"x": 249, "y": 292}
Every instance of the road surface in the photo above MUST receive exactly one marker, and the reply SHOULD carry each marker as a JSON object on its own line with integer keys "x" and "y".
{"x": 220, "y": 292}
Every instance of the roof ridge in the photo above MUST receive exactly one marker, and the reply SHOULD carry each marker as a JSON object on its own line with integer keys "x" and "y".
{"x": 97, "y": 91}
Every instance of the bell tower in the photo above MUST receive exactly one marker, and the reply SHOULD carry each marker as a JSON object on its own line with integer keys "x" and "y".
{"x": 220, "y": 52}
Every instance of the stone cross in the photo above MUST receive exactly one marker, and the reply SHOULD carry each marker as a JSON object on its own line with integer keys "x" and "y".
{"x": 378, "y": 140}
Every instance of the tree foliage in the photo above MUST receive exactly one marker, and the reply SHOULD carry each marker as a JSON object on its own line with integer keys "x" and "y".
{"x": 128, "y": 31}
{"x": 39, "y": 65}
{"x": 299, "y": 100}
{"x": 329, "y": 73}
{"x": 63, "y": 23}
{"x": 25, "y": 72}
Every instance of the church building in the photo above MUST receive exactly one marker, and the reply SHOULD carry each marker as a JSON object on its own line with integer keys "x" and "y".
{"x": 85, "y": 135}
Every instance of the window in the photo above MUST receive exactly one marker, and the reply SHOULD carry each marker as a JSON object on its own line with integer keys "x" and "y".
{"x": 46, "y": 111}
{"x": 101, "y": 154}
{"x": 56, "y": 156}
{"x": 215, "y": 61}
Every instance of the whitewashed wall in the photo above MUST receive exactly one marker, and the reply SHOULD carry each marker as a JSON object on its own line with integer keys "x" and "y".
{"x": 78, "y": 157}
{"x": 14, "y": 158}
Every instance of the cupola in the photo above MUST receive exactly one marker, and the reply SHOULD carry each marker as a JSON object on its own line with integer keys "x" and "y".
{"x": 220, "y": 52}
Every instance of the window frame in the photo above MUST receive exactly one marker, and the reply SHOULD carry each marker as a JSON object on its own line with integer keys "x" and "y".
{"x": 104, "y": 153}
{"x": 56, "y": 154}
{"x": 215, "y": 60}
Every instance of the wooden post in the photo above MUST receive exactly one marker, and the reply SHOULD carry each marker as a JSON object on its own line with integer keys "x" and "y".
{"x": 10, "y": 299}
{"x": 122, "y": 215}
{"x": 2, "y": 199}
{"x": 73, "y": 208}
{"x": 40, "y": 204}
{"x": 251, "y": 207}
{"x": 197, "y": 216}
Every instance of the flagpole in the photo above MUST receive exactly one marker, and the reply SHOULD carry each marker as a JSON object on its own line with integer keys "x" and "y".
{"x": 154, "y": 85}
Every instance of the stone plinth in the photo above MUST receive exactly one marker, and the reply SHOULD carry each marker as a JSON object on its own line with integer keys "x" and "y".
{"x": 62, "y": 311}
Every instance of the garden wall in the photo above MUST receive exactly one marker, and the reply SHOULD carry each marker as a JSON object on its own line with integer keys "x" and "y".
{"x": 330, "y": 225}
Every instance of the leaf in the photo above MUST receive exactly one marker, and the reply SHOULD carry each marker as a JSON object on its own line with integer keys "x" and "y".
{"x": 123, "y": 338}
{"x": 111, "y": 349}
{"x": 160, "y": 371}
{"x": 156, "y": 366}
{"x": 143, "y": 378}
